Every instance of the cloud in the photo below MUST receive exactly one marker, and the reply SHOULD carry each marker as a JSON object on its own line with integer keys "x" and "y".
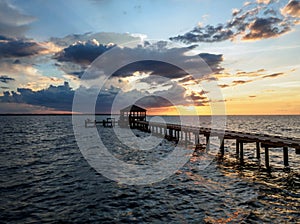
{"x": 208, "y": 33}
{"x": 292, "y": 8}
{"x": 158, "y": 68}
{"x": 26, "y": 76}
{"x": 199, "y": 98}
{"x": 273, "y": 75}
{"x": 254, "y": 21}
{"x": 11, "y": 48}
{"x": 6, "y": 79}
{"x": 263, "y": 28}
{"x": 32, "y": 88}
{"x": 13, "y": 22}
{"x": 255, "y": 75}
{"x": 79, "y": 50}
{"x": 75, "y": 59}
{"x": 101, "y": 37}
{"x": 213, "y": 60}
{"x": 82, "y": 53}
{"x": 252, "y": 76}
{"x": 239, "y": 82}
{"x": 59, "y": 98}
{"x": 224, "y": 85}
{"x": 263, "y": 1}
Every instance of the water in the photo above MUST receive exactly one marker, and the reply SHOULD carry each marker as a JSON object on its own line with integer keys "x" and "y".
{"x": 45, "y": 179}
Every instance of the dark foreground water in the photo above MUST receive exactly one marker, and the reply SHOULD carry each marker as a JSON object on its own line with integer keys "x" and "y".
{"x": 45, "y": 179}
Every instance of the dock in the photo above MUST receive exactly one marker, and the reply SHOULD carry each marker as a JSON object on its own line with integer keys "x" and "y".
{"x": 109, "y": 122}
{"x": 183, "y": 133}
{"x": 134, "y": 117}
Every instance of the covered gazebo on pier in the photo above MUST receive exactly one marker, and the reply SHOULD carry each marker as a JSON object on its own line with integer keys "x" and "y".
{"x": 130, "y": 114}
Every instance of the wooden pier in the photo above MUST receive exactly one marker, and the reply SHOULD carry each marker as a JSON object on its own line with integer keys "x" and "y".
{"x": 183, "y": 133}
{"x": 109, "y": 122}
{"x": 134, "y": 116}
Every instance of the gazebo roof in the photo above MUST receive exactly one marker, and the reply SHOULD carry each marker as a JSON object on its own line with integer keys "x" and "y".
{"x": 133, "y": 108}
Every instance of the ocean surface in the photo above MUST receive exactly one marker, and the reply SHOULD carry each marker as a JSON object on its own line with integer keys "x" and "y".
{"x": 44, "y": 178}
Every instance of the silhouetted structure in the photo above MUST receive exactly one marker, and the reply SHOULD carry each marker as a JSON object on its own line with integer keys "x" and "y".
{"x": 129, "y": 115}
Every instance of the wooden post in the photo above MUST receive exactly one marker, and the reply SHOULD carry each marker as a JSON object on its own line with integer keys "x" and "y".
{"x": 257, "y": 150}
{"x": 222, "y": 146}
{"x": 207, "y": 142}
{"x": 267, "y": 160}
{"x": 241, "y": 153}
{"x": 285, "y": 156}
{"x": 237, "y": 149}
{"x": 185, "y": 139}
{"x": 196, "y": 138}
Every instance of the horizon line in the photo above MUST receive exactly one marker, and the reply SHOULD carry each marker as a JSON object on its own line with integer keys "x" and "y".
{"x": 108, "y": 114}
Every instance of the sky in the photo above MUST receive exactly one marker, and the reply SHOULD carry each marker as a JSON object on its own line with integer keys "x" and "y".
{"x": 201, "y": 57}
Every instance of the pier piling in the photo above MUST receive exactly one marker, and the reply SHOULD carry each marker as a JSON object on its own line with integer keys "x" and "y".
{"x": 222, "y": 151}
{"x": 237, "y": 148}
{"x": 241, "y": 153}
{"x": 267, "y": 159}
{"x": 285, "y": 156}
{"x": 257, "y": 150}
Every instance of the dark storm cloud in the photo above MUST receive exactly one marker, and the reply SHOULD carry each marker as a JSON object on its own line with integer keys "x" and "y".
{"x": 153, "y": 67}
{"x": 76, "y": 58}
{"x": 82, "y": 53}
{"x": 252, "y": 22}
{"x": 2, "y": 37}
{"x": 59, "y": 98}
{"x": 154, "y": 101}
{"x": 164, "y": 69}
{"x": 6, "y": 79}
{"x": 19, "y": 48}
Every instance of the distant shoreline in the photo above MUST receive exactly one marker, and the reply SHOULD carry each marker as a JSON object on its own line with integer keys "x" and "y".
{"x": 100, "y": 114}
